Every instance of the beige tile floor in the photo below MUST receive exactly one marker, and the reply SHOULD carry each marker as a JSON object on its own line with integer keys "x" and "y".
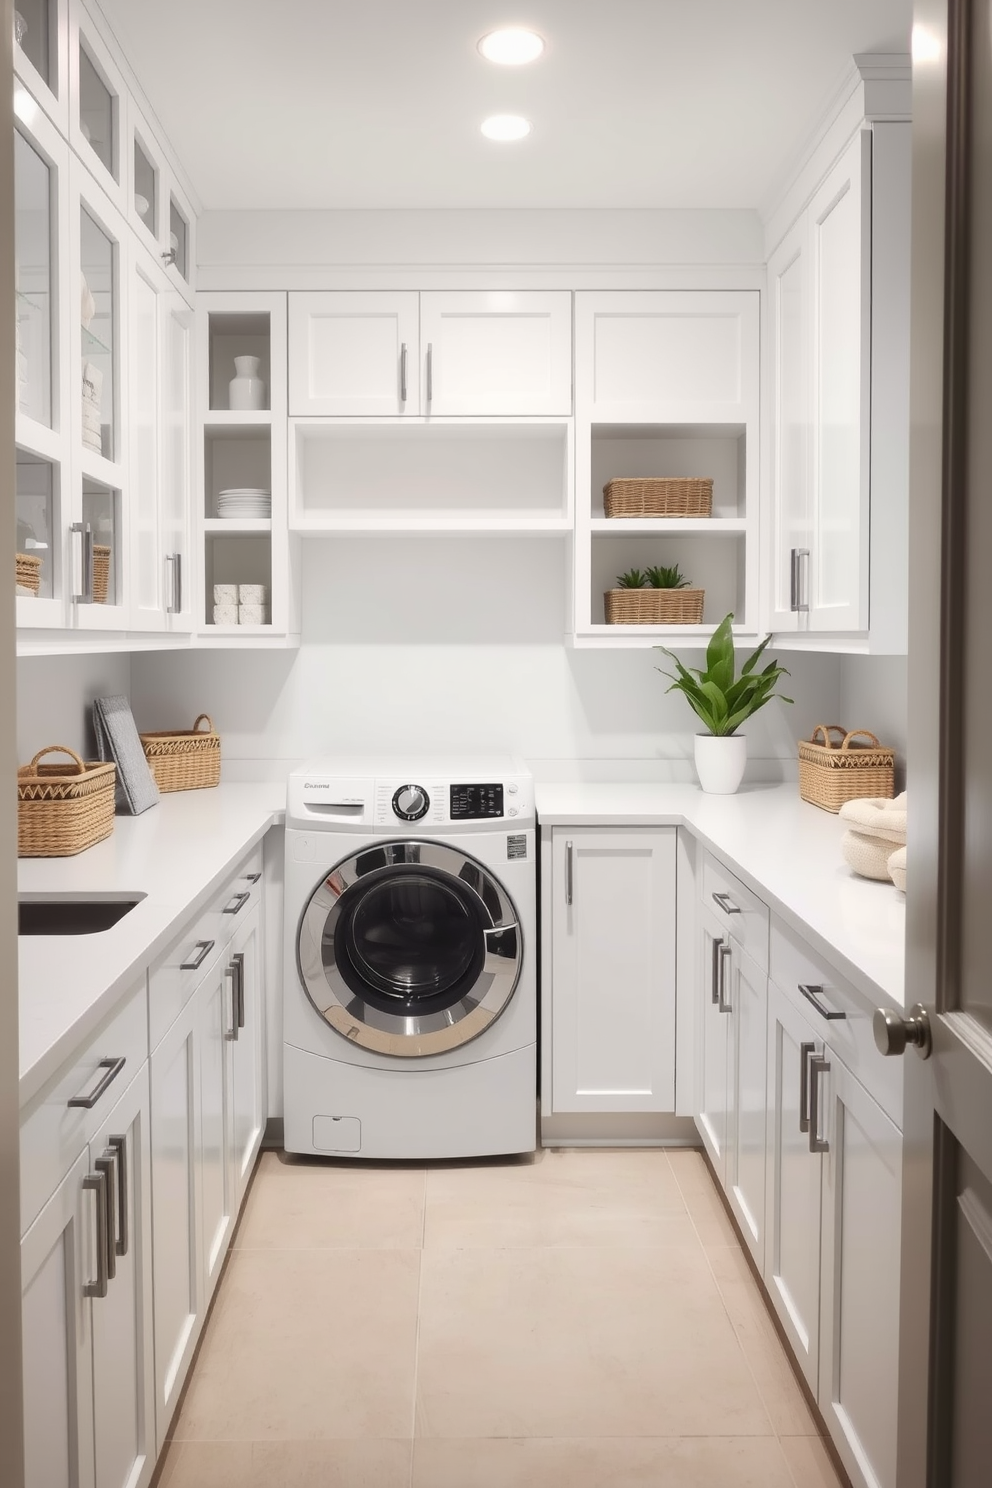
{"x": 583, "y": 1319}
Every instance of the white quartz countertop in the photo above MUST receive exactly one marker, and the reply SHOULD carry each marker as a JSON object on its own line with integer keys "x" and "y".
{"x": 785, "y": 850}
{"x": 177, "y": 854}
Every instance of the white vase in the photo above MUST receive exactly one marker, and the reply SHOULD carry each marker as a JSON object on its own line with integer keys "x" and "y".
{"x": 720, "y": 762}
{"x": 247, "y": 390}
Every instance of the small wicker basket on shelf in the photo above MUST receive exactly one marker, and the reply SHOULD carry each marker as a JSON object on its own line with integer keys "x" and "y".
{"x": 101, "y": 572}
{"x": 188, "y": 759}
{"x": 671, "y": 496}
{"x": 654, "y": 606}
{"x": 62, "y": 809}
{"x": 832, "y": 773}
{"x": 28, "y": 572}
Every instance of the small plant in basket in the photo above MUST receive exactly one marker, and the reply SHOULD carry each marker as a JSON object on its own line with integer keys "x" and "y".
{"x": 659, "y": 595}
{"x": 634, "y": 578}
{"x": 661, "y": 577}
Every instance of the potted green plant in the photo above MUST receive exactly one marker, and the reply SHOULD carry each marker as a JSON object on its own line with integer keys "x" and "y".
{"x": 723, "y": 701}
{"x": 660, "y": 595}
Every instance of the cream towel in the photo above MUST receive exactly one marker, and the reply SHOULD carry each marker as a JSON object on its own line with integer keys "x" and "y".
{"x": 874, "y": 816}
{"x": 868, "y": 856}
{"x": 897, "y": 869}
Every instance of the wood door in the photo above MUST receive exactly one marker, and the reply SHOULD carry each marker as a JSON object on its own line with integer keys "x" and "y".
{"x": 789, "y": 297}
{"x": 613, "y": 970}
{"x": 123, "y": 1353}
{"x": 859, "y": 1280}
{"x": 216, "y": 1003}
{"x": 840, "y": 265}
{"x": 177, "y": 1286}
{"x": 793, "y": 1182}
{"x": 492, "y": 352}
{"x": 353, "y": 353}
{"x": 746, "y": 1066}
{"x": 714, "y": 1011}
{"x": 247, "y": 1087}
{"x": 57, "y": 1261}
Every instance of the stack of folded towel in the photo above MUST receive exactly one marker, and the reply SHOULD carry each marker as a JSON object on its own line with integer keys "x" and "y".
{"x": 874, "y": 844}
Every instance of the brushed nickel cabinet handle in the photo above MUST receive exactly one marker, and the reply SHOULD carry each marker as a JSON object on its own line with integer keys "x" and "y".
{"x": 403, "y": 373}
{"x": 113, "y": 1067}
{"x": 201, "y": 951}
{"x": 107, "y": 1165}
{"x": 725, "y": 954}
{"x": 568, "y": 873}
{"x": 805, "y": 1050}
{"x": 85, "y": 595}
{"x": 238, "y": 903}
{"x": 817, "y": 1066}
{"x": 119, "y": 1144}
{"x": 239, "y": 967}
{"x": 727, "y": 904}
{"x": 812, "y": 993}
{"x": 430, "y": 371}
{"x": 97, "y": 1182}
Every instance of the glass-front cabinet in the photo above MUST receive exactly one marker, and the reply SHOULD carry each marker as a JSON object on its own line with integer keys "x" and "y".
{"x": 41, "y": 55}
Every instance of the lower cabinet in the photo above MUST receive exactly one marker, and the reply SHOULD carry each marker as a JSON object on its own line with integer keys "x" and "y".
{"x": 713, "y": 1023}
{"x": 248, "y": 1053}
{"x": 612, "y": 1025}
{"x": 89, "y": 1406}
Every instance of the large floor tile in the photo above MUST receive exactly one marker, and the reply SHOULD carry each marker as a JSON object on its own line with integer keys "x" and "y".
{"x": 694, "y": 1462}
{"x": 705, "y": 1206}
{"x": 579, "y": 1342}
{"x": 810, "y": 1462}
{"x": 291, "y": 1464}
{"x": 315, "y": 1205}
{"x": 565, "y": 1198}
{"x": 307, "y": 1344}
{"x": 766, "y": 1356}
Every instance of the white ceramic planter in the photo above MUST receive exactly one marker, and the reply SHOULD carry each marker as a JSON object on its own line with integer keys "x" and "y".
{"x": 247, "y": 390}
{"x": 720, "y": 762}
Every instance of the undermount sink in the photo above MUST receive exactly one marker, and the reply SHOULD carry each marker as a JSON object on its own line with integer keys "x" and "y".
{"x": 72, "y": 914}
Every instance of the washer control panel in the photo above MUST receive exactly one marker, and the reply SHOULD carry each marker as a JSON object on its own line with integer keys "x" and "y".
{"x": 410, "y": 799}
{"x": 473, "y": 802}
{"x": 411, "y": 802}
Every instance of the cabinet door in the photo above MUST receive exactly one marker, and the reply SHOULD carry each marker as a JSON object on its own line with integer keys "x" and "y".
{"x": 147, "y": 568}
{"x": 217, "y": 1023}
{"x": 175, "y": 416}
{"x": 353, "y": 353}
{"x": 788, "y": 294}
{"x": 247, "y": 1111}
{"x": 123, "y": 1354}
{"x": 496, "y": 352}
{"x": 714, "y": 1013}
{"x": 748, "y": 1100}
{"x": 175, "y": 1142}
{"x": 859, "y": 1303}
{"x": 792, "y": 1209}
{"x": 840, "y": 261}
{"x": 57, "y": 1261}
{"x": 613, "y": 949}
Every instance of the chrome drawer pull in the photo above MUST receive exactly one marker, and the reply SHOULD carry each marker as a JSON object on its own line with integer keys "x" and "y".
{"x": 98, "y": 1183}
{"x": 238, "y": 903}
{"x": 119, "y": 1144}
{"x": 724, "y": 954}
{"x": 715, "y": 948}
{"x": 113, "y": 1067}
{"x": 812, "y": 993}
{"x": 805, "y": 1050}
{"x": 403, "y": 373}
{"x": 204, "y": 947}
{"x": 568, "y": 873}
{"x": 817, "y": 1066}
{"x": 252, "y": 877}
{"x": 107, "y": 1166}
{"x": 239, "y": 966}
{"x": 726, "y": 904}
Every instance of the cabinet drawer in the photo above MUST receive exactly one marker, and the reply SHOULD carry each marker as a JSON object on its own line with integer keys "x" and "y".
{"x": 53, "y": 1132}
{"x": 175, "y": 977}
{"x": 741, "y": 913}
{"x": 793, "y": 964}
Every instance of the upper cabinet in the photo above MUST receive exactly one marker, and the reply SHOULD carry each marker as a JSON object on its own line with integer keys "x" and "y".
{"x": 460, "y": 353}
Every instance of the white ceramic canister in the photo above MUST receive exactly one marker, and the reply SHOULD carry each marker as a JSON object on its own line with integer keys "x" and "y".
{"x": 247, "y": 390}
{"x": 720, "y": 762}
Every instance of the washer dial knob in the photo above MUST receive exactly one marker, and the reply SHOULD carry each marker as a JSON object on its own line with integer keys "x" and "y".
{"x": 411, "y": 802}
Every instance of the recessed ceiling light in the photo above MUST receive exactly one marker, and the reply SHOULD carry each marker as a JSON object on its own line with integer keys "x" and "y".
{"x": 505, "y": 127}
{"x": 512, "y": 46}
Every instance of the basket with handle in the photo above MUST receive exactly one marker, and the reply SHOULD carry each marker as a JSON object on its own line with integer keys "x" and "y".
{"x": 832, "y": 772}
{"x": 658, "y": 496}
{"x": 28, "y": 571}
{"x": 184, "y": 759}
{"x": 63, "y": 809}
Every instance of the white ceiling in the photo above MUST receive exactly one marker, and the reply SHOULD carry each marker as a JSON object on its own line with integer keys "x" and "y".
{"x": 377, "y": 103}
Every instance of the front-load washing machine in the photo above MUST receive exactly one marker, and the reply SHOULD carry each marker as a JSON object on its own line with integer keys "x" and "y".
{"x": 410, "y": 997}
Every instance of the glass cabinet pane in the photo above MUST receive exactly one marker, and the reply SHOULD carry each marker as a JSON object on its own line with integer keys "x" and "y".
{"x": 35, "y": 526}
{"x": 32, "y": 32}
{"x": 97, "y": 112}
{"x": 179, "y": 238}
{"x": 100, "y": 515}
{"x": 145, "y": 189}
{"x": 98, "y": 314}
{"x": 33, "y": 270}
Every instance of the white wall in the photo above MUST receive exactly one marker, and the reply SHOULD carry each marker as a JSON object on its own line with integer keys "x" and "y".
{"x": 874, "y": 694}
{"x": 55, "y": 695}
{"x": 431, "y": 645}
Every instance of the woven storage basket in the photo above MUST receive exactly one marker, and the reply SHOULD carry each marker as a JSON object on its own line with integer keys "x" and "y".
{"x": 101, "y": 572}
{"x": 28, "y": 572}
{"x": 830, "y": 774}
{"x": 187, "y": 760}
{"x": 654, "y": 606}
{"x": 672, "y": 496}
{"x": 62, "y": 809}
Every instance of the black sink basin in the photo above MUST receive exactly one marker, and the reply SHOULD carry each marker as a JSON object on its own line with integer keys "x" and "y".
{"x": 69, "y": 914}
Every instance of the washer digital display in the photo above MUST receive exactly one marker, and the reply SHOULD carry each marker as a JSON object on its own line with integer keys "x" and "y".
{"x": 471, "y": 802}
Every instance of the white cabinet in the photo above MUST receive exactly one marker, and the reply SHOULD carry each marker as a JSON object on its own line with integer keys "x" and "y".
{"x": 839, "y": 437}
{"x": 713, "y": 1041}
{"x": 217, "y": 1014}
{"x": 612, "y": 1015}
{"x": 248, "y": 1048}
{"x": 469, "y": 353}
{"x": 87, "y": 1317}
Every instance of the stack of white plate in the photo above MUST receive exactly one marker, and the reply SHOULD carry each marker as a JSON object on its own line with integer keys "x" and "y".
{"x": 244, "y": 502}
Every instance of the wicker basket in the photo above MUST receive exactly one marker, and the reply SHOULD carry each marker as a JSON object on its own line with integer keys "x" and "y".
{"x": 184, "y": 760}
{"x": 830, "y": 774}
{"x": 62, "y": 809}
{"x": 654, "y": 606}
{"x": 28, "y": 572}
{"x": 681, "y": 496}
{"x": 101, "y": 572}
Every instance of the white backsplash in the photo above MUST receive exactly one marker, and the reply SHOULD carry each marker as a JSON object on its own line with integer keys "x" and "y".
{"x": 55, "y": 696}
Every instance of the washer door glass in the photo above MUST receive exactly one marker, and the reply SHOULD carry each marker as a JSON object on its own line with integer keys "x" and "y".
{"x": 409, "y": 948}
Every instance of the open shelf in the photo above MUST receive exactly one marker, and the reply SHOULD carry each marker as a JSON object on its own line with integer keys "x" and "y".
{"x": 236, "y": 558}
{"x": 717, "y": 451}
{"x": 233, "y": 334}
{"x": 666, "y": 526}
{"x": 235, "y": 457}
{"x": 223, "y": 526}
{"x": 713, "y": 563}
